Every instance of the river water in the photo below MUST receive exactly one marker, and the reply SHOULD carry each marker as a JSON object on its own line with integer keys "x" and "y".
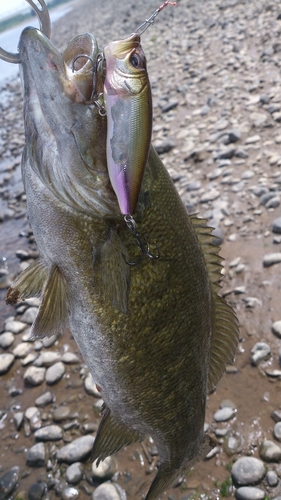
{"x": 9, "y": 40}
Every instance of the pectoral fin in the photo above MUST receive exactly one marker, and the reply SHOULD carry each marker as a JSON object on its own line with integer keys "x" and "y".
{"x": 115, "y": 272}
{"x": 29, "y": 283}
{"x": 111, "y": 437}
{"x": 52, "y": 316}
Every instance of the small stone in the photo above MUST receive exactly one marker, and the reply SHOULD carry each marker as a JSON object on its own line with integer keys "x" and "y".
{"x": 55, "y": 373}
{"x": 249, "y": 493}
{"x": 22, "y": 349}
{"x": 271, "y": 258}
{"x": 30, "y": 315}
{"x": 78, "y": 450}
{"x": 37, "y": 491}
{"x": 61, "y": 413}
{"x": 276, "y": 226}
{"x": 8, "y": 482}
{"x": 270, "y": 451}
{"x": 273, "y": 373}
{"x": 276, "y": 328}
{"x": 169, "y": 106}
{"x": 227, "y": 403}
{"x": 272, "y": 478}
{"x": 14, "y": 326}
{"x": 211, "y": 195}
{"x": 6, "y": 339}
{"x": 164, "y": 146}
{"x": 49, "y": 341}
{"x": 29, "y": 359}
{"x": 34, "y": 376}
{"x": 224, "y": 414}
{"x": 231, "y": 445}
{"x": 260, "y": 352}
{"x": 277, "y": 431}
{"x": 74, "y": 473}
{"x": 226, "y": 153}
{"x": 18, "y": 419}
{"x": 70, "y": 358}
{"x": 90, "y": 386}
{"x": 252, "y": 139}
{"x": 276, "y": 416}
{"x": 48, "y": 433}
{"x": 106, "y": 469}
{"x": 248, "y": 471}
{"x": 48, "y": 358}
{"x": 6, "y": 361}
{"x": 107, "y": 491}
{"x": 45, "y": 399}
{"x": 273, "y": 202}
{"x": 32, "y": 412}
{"x": 36, "y": 456}
{"x": 69, "y": 493}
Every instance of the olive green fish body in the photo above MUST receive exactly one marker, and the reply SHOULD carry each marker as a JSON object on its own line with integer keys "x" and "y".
{"x": 155, "y": 335}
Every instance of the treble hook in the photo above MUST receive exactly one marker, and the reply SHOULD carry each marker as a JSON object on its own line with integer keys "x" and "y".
{"x": 45, "y": 27}
{"x": 94, "y": 99}
{"x": 145, "y": 247}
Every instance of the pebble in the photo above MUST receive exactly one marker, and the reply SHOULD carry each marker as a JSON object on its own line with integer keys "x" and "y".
{"x": 105, "y": 470}
{"x": 61, "y": 413}
{"x": 22, "y": 350}
{"x": 37, "y": 491}
{"x": 36, "y": 455}
{"x": 29, "y": 315}
{"x": 18, "y": 420}
{"x": 6, "y": 361}
{"x": 76, "y": 451}
{"x": 45, "y": 399}
{"x": 14, "y": 326}
{"x": 276, "y": 328}
{"x": 8, "y": 482}
{"x": 47, "y": 358}
{"x": 90, "y": 386}
{"x": 49, "y": 433}
{"x": 49, "y": 341}
{"x": 270, "y": 451}
{"x": 277, "y": 431}
{"x": 260, "y": 352}
{"x": 107, "y": 491}
{"x": 276, "y": 226}
{"x": 6, "y": 339}
{"x": 248, "y": 471}
{"x": 70, "y": 358}
{"x": 54, "y": 373}
{"x": 74, "y": 473}
{"x": 34, "y": 376}
{"x": 249, "y": 493}
{"x": 272, "y": 478}
{"x": 69, "y": 493}
{"x": 224, "y": 414}
{"x": 271, "y": 258}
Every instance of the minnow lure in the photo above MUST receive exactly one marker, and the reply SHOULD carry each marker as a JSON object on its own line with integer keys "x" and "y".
{"x": 128, "y": 104}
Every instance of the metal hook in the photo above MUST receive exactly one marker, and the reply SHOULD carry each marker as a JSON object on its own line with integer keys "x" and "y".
{"x": 145, "y": 247}
{"x": 45, "y": 27}
{"x": 94, "y": 95}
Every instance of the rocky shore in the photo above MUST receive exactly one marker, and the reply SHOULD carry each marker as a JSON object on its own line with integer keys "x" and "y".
{"x": 214, "y": 68}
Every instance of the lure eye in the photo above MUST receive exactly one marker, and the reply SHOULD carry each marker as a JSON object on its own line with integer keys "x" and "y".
{"x": 137, "y": 61}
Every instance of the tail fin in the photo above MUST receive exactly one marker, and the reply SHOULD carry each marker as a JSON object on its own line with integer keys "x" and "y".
{"x": 162, "y": 481}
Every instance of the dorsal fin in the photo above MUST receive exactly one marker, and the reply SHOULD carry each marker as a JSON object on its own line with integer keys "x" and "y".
{"x": 29, "y": 283}
{"x": 112, "y": 436}
{"x": 52, "y": 316}
{"x": 115, "y": 271}
{"x": 225, "y": 331}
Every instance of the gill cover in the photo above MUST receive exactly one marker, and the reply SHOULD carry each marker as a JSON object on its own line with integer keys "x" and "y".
{"x": 128, "y": 105}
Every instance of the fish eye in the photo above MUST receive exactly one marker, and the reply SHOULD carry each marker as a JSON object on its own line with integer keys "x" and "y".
{"x": 136, "y": 61}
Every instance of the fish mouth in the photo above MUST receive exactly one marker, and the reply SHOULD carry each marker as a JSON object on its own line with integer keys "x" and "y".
{"x": 73, "y": 68}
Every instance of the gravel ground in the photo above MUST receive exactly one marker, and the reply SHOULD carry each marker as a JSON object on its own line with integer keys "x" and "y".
{"x": 214, "y": 68}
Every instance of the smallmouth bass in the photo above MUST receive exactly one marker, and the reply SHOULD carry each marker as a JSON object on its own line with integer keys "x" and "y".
{"x": 156, "y": 336}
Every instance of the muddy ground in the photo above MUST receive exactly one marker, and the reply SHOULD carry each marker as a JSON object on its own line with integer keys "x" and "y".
{"x": 214, "y": 67}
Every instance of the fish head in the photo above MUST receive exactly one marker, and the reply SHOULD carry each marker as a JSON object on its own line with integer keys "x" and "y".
{"x": 65, "y": 135}
{"x": 128, "y": 103}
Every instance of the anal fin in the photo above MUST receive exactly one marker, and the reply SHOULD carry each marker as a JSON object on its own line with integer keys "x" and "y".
{"x": 52, "y": 316}
{"x": 111, "y": 437}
